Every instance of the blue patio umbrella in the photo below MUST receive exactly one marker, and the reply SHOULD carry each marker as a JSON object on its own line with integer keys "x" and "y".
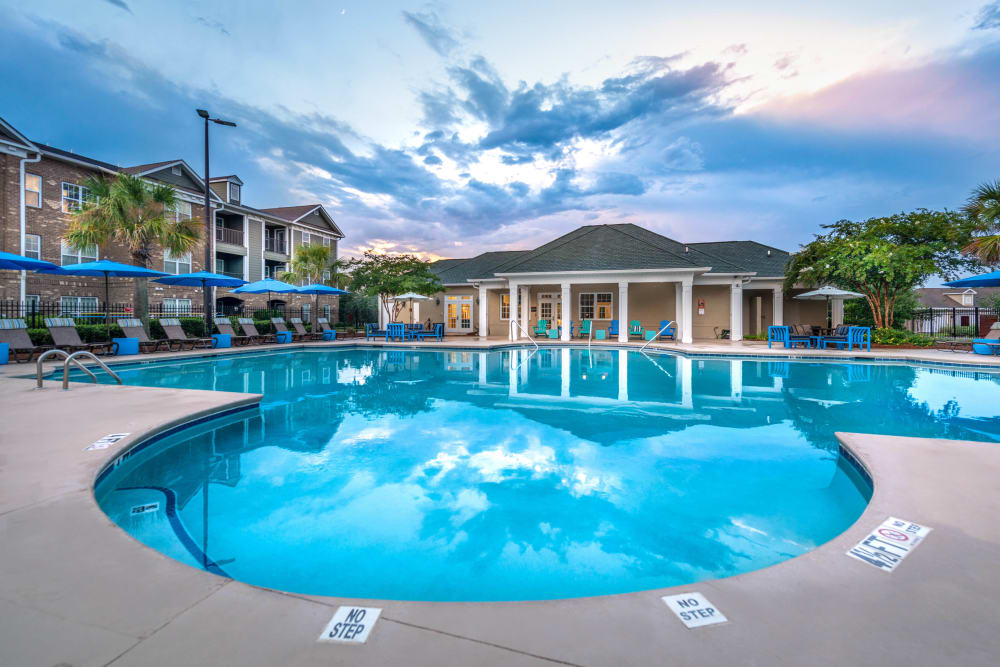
{"x": 108, "y": 269}
{"x": 984, "y": 280}
{"x": 12, "y": 262}
{"x": 206, "y": 279}
{"x": 318, "y": 289}
{"x": 266, "y": 286}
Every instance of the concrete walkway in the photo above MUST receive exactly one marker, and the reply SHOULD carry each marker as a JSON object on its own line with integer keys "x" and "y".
{"x": 77, "y": 590}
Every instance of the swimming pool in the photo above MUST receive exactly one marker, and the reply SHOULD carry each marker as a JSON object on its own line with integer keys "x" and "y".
{"x": 512, "y": 475}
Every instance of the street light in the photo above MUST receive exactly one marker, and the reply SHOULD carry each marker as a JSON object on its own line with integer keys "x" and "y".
{"x": 209, "y": 232}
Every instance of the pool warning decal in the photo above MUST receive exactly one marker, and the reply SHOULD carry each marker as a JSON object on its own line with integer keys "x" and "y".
{"x": 889, "y": 544}
{"x": 351, "y": 625}
{"x": 106, "y": 441}
{"x": 694, "y": 610}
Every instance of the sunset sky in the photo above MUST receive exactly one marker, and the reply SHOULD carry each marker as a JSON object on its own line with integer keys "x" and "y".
{"x": 448, "y": 129}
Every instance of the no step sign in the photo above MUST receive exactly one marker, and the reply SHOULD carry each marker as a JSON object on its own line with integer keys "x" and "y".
{"x": 351, "y": 625}
{"x": 694, "y": 610}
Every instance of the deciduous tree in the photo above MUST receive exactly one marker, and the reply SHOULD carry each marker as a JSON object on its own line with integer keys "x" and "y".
{"x": 387, "y": 276}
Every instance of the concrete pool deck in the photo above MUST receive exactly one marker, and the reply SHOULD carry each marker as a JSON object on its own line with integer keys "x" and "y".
{"x": 75, "y": 589}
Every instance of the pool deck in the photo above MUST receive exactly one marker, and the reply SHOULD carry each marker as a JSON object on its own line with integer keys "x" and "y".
{"x": 77, "y": 590}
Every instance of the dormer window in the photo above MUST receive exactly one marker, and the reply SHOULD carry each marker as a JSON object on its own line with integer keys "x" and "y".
{"x": 176, "y": 170}
{"x": 967, "y": 298}
{"x": 234, "y": 193}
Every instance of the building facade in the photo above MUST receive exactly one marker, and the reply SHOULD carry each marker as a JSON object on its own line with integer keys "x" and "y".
{"x": 41, "y": 186}
{"x": 620, "y": 272}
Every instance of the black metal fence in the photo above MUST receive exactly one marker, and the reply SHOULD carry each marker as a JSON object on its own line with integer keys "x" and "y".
{"x": 35, "y": 312}
{"x": 957, "y": 323}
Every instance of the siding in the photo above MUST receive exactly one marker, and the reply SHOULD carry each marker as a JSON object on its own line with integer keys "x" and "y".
{"x": 316, "y": 220}
{"x": 184, "y": 181}
{"x": 255, "y": 241}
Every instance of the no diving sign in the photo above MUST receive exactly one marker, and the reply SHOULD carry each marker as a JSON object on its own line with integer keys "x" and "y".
{"x": 886, "y": 546}
{"x": 694, "y": 610}
{"x": 350, "y": 625}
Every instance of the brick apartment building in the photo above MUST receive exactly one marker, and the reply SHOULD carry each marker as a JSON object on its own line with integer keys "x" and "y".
{"x": 41, "y": 186}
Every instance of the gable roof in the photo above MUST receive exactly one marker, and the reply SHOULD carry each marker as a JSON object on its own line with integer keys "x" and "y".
{"x": 937, "y": 297}
{"x": 764, "y": 260}
{"x": 231, "y": 177}
{"x": 9, "y": 134}
{"x": 453, "y": 272}
{"x": 60, "y": 154}
{"x": 613, "y": 247}
{"x": 298, "y": 214}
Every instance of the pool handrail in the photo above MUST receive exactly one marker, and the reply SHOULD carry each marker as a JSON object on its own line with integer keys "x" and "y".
{"x": 664, "y": 327}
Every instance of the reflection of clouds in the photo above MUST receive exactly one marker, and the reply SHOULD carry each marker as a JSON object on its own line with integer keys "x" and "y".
{"x": 467, "y": 504}
{"x": 349, "y": 374}
{"x": 375, "y": 432}
{"x": 500, "y": 463}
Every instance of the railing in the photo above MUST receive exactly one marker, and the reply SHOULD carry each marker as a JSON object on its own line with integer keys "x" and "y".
{"x": 232, "y": 274}
{"x": 527, "y": 335}
{"x": 957, "y": 322}
{"x": 72, "y": 358}
{"x": 658, "y": 333}
{"x": 230, "y": 236}
{"x": 275, "y": 245}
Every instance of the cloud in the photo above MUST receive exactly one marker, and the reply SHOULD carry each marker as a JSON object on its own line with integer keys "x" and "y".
{"x": 434, "y": 33}
{"x": 988, "y": 17}
{"x": 213, "y": 25}
{"x": 120, "y": 4}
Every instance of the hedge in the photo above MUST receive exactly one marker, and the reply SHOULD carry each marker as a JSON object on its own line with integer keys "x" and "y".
{"x": 194, "y": 327}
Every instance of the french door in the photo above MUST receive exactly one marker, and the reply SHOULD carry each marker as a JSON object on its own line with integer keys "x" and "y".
{"x": 458, "y": 314}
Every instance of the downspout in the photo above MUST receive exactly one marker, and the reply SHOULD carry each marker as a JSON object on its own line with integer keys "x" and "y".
{"x": 24, "y": 274}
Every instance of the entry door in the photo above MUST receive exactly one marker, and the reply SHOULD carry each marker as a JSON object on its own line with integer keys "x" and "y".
{"x": 550, "y": 308}
{"x": 458, "y": 314}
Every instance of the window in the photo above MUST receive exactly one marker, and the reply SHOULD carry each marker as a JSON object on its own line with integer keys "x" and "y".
{"x": 33, "y": 190}
{"x": 326, "y": 276}
{"x": 72, "y": 255}
{"x": 176, "y": 170}
{"x": 273, "y": 270}
{"x": 77, "y": 305}
{"x": 306, "y": 238}
{"x": 177, "y": 306}
{"x": 181, "y": 211}
{"x": 306, "y": 312}
{"x": 326, "y": 241}
{"x": 234, "y": 193}
{"x": 595, "y": 305}
{"x": 326, "y": 311}
{"x": 505, "y": 306}
{"x": 176, "y": 265}
{"x": 73, "y": 197}
{"x": 967, "y": 299}
{"x": 32, "y": 301}
{"x": 33, "y": 246}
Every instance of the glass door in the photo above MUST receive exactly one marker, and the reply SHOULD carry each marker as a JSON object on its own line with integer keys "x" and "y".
{"x": 458, "y": 314}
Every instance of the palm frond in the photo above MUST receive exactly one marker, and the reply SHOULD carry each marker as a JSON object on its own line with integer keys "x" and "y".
{"x": 986, "y": 249}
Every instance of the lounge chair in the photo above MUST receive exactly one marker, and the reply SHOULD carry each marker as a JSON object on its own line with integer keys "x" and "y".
{"x": 635, "y": 328}
{"x": 323, "y": 324}
{"x": 66, "y": 337}
{"x": 300, "y": 329}
{"x": 437, "y": 332}
{"x": 859, "y": 336}
{"x": 176, "y": 336}
{"x": 250, "y": 329}
{"x": 224, "y": 326}
{"x": 541, "y": 328}
{"x": 585, "y": 328}
{"x": 613, "y": 329}
{"x": 132, "y": 328}
{"x": 397, "y": 330}
{"x": 668, "y": 329}
{"x": 279, "y": 326}
{"x": 15, "y": 334}
{"x": 990, "y": 344}
{"x": 782, "y": 334}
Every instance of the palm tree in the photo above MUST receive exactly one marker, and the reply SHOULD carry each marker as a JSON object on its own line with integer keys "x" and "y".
{"x": 139, "y": 215}
{"x": 984, "y": 206}
{"x": 308, "y": 266}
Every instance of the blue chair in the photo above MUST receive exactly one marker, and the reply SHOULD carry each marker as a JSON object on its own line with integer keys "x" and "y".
{"x": 990, "y": 344}
{"x": 437, "y": 332}
{"x": 782, "y": 334}
{"x": 613, "y": 329}
{"x": 670, "y": 332}
{"x": 860, "y": 336}
{"x": 585, "y": 328}
{"x": 397, "y": 330}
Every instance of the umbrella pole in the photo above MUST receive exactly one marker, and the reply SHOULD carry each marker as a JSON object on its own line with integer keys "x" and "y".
{"x": 204, "y": 300}
{"x": 107, "y": 307}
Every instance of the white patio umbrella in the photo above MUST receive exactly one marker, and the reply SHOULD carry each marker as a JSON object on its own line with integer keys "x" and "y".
{"x": 828, "y": 292}
{"x": 410, "y": 298}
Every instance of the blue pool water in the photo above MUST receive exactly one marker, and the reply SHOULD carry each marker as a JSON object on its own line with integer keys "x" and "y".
{"x": 506, "y": 475}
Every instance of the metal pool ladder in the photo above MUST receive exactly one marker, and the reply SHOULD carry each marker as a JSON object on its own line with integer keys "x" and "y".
{"x": 72, "y": 358}
{"x": 662, "y": 329}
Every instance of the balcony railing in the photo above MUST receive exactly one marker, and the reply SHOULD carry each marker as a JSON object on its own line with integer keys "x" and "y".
{"x": 275, "y": 244}
{"x": 230, "y": 236}
{"x": 232, "y": 274}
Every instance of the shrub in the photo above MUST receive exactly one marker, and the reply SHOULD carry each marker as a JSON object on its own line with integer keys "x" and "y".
{"x": 193, "y": 327}
{"x": 899, "y": 337}
{"x": 756, "y": 336}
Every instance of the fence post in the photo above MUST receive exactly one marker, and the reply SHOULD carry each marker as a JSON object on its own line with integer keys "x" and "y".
{"x": 954, "y": 332}
{"x": 975, "y": 318}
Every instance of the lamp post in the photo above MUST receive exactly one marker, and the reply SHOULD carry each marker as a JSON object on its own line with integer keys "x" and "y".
{"x": 209, "y": 231}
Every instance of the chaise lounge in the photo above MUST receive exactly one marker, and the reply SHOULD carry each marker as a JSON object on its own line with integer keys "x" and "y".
{"x": 176, "y": 336}
{"x": 279, "y": 326}
{"x": 300, "y": 330}
{"x": 990, "y": 344}
{"x": 132, "y": 328}
{"x": 224, "y": 326}
{"x": 250, "y": 329}
{"x": 66, "y": 337}
{"x": 15, "y": 334}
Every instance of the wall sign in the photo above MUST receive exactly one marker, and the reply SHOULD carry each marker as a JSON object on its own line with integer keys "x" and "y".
{"x": 106, "y": 441}
{"x": 351, "y": 625}
{"x": 694, "y": 610}
{"x": 890, "y": 543}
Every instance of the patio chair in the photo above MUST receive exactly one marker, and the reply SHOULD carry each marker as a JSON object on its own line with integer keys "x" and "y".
{"x": 300, "y": 329}
{"x": 372, "y": 331}
{"x": 66, "y": 337}
{"x": 132, "y": 328}
{"x": 668, "y": 332}
{"x": 397, "y": 330}
{"x": 224, "y": 326}
{"x": 279, "y": 325}
{"x": 860, "y": 336}
{"x": 990, "y": 344}
{"x": 15, "y": 334}
{"x": 436, "y": 332}
{"x": 782, "y": 334}
{"x": 541, "y": 328}
{"x": 839, "y": 335}
{"x": 323, "y": 324}
{"x": 635, "y": 328}
{"x": 585, "y": 328}
{"x": 613, "y": 329}
{"x": 176, "y": 336}
{"x": 250, "y": 330}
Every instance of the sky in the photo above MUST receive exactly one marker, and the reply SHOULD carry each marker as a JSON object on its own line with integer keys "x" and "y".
{"x": 448, "y": 129}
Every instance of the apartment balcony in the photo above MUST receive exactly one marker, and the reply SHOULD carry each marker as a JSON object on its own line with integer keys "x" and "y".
{"x": 276, "y": 245}
{"x": 229, "y": 236}
{"x": 232, "y": 274}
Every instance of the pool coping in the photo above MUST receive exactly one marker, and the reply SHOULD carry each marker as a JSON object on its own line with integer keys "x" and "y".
{"x": 631, "y": 628}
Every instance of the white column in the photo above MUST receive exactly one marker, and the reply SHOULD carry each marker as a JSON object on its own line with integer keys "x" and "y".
{"x": 564, "y": 369}
{"x": 484, "y": 311}
{"x": 736, "y": 310}
{"x": 686, "y": 318}
{"x": 778, "y": 308}
{"x": 622, "y": 374}
{"x": 513, "y": 333}
{"x": 525, "y": 302}
{"x": 415, "y": 315}
{"x": 565, "y": 316}
{"x": 382, "y": 317}
{"x": 736, "y": 379}
{"x": 678, "y": 312}
{"x": 837, "y": 312}
{"x": 623, "y": 311}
